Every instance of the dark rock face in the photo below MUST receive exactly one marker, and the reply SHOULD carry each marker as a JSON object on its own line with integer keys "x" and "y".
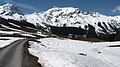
{"x": 91, "y": 31}
{"x": 65, "y": 31}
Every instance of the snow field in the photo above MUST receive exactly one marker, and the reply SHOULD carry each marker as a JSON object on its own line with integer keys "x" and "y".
{"x": 53, "y": 52}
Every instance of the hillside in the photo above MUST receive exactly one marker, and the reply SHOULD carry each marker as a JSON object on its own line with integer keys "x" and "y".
{"x": 56, "y": 20}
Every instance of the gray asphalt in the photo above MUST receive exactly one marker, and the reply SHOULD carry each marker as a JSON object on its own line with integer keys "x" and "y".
{"x": 12, "y": 55}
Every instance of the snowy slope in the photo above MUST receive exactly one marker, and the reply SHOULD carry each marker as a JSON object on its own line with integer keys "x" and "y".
{"x": 53, "y": 52}
{"x": 73, "y": 17}
{"x": 9, "y": 11}
{"x": 36, "y": 18}
{"x": 12, "y": 18}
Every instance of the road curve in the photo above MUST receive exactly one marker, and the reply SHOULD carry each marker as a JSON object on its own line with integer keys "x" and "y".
{"x": 12, "y": 55}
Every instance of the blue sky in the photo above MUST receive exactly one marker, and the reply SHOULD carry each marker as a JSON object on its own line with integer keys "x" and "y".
{"x": 107, "y": 7}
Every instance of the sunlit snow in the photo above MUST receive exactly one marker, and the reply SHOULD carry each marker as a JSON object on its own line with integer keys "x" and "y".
{"x": 53, "y": 52}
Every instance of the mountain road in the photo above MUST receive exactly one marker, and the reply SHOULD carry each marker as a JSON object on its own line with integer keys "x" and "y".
{"x": 14, "y": 55}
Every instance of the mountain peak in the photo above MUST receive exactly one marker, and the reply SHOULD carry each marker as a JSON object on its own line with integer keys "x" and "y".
{"x": 9, "y": 9}
{"x": 67, "y": 10}
{"x": 74, "y": 17}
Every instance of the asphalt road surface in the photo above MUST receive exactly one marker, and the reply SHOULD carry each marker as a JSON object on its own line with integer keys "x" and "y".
{"x": 12, "y": 55}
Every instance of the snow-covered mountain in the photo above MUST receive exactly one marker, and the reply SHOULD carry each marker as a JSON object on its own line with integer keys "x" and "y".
{"x": 66, "y": 16}
{"x": 9, "y": 11}
{"x": 11, "y": 18}
{"x": 73, "y": 17}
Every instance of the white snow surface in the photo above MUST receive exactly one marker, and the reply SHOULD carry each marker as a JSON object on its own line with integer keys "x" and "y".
{"x": 4, "y": 43}
{"x": 53, "y": 52}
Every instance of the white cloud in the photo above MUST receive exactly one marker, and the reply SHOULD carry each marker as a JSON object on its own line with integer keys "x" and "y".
{"x": 21, "y": 5}
{"x": 117, "y": 8}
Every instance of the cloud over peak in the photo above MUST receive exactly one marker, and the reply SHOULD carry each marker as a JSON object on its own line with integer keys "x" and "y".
{"x": 117, "y": 8}
{"x": 21, "y": 5}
